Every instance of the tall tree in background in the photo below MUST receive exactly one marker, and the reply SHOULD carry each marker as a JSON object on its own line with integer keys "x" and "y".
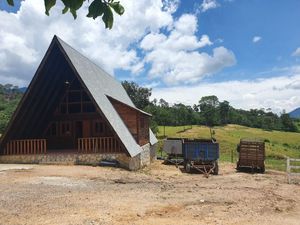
{"x": 139, "y": 95}
{"x": 102, "y": 8}
{"x": 208, "y": 107}
{"x": 287, "y": 123}
{"x": 224, "y": 112}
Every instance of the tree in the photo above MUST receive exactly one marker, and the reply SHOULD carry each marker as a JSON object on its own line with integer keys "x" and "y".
{"x": 97, "y": 8}
{"x": 224, "y": 112}
{"x": 208, "y": 107}
{"x": 139, "y": 95}
{"x": 163, "y": 103}
{"x": 287, "y": 123}
{"x": 9, "y": 98}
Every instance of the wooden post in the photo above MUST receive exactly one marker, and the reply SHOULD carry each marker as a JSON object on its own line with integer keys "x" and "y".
{"x": 288, "y": 169}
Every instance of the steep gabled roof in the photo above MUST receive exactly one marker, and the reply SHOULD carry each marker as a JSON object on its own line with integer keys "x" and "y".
{"x": 97, "y": 82}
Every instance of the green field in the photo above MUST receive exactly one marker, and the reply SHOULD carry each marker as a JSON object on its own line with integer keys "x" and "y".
{"x": 278, "y": 144}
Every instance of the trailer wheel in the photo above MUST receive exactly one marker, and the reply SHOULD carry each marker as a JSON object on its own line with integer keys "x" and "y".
{"x": 216, "y": 169}
{"x": 188, "y": 167}
{"x": 262, "y": 169}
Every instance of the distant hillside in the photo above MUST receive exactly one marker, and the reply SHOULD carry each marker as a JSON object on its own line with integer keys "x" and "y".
{"x": 22, "y": 89}
{"x": 295, "y": 113}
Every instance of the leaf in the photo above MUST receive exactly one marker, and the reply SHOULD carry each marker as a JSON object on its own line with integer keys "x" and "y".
{"x": 73, "y": 4}
{"x": 67, "y": 3}
{"x": 96, "y": 9}
{"x": 118, "y": 8}
{"x": 108, "y": 17}
{"x": 48, "y": 5}
{"x": 65, "y": 10}
{"x": 11, "y": 2}
{"x": 73, "y": 11}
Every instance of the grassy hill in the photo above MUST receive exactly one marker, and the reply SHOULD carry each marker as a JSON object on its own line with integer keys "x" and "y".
{"x": 278, "y": 144}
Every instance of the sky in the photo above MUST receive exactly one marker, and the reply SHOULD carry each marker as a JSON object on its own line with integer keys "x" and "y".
{"x": 244, "y": 51}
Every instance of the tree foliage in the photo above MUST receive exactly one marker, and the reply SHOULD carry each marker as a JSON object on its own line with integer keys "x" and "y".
{"x": 102, "y": 8}
{"x": 208, "y": 106}
{"x": 9, "y": 97}
{"x": 139, "y": 95}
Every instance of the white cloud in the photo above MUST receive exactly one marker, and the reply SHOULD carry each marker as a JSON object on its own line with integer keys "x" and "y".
{"x": 246, "y": 94}
{"x": 152, "y": 40}
{"x": 176, "y": 58}
{"x": 171, "y": 5}
{"x": 170, "y": 48}
{"x": 25, "y": 36}
{"x": 296, "y": 52}
{"x": 209, "y": 4}
{"x": 256, "y": 39}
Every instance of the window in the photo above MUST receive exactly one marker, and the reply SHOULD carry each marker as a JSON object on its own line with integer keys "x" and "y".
{"x": 63, "y": 108}
{"x": 74, "y": 108}
{"x": 98, "y": 128}
{"x": 74, "y": 96}
{"x": 75, "y": 100}
{"x": 85, "y": 97}
{"x": 65, "y": 129}
{"x": 52, "y": 130}
{"x": 88, "y": 107}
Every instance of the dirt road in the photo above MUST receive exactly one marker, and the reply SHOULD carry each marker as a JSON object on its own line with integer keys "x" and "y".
{"x": 159, "y": 194}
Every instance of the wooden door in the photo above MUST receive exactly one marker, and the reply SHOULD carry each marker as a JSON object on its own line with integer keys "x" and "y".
{"x": 78, "y": 130}
{"x": 86, "y": 128}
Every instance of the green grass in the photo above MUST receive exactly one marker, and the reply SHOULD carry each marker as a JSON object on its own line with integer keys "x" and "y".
{"x": 278, "y": 144}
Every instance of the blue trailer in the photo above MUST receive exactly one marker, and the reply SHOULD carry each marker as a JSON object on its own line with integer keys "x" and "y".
{"x": 201, "y": 155}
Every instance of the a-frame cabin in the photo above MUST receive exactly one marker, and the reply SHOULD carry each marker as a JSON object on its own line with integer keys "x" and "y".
{"x": 75, "y": 112}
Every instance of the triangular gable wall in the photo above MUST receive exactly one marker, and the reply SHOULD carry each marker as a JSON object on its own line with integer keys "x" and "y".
{"x": 42, "y": 96}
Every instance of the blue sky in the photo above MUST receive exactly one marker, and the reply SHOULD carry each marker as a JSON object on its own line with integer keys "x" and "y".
{"x": 243, "y": 51}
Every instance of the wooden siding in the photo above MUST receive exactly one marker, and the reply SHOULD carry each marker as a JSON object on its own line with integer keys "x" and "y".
{"x": 136, "y": 122}
{"x": 143, "y": 127}
{"x": 129, "y": 116}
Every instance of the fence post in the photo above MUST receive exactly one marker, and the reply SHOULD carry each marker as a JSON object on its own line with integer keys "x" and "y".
{"x": 288, "y": 169}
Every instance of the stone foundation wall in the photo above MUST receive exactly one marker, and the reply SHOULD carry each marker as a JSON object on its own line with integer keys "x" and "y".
{"x": 132, "y": 163}
{"x": 141, "y": 160}
{"x": 145, "y": 155}
{"x": 153, "y": 152}
{"x": 68, "y": 159}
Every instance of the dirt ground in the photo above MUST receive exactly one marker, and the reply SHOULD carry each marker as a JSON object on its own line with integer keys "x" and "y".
{"x": 158, "y": 194}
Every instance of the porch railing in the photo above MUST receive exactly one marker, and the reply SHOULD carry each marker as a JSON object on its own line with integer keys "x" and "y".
{"x": 28, "y": 146}
{"x": 98, "y": 145}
